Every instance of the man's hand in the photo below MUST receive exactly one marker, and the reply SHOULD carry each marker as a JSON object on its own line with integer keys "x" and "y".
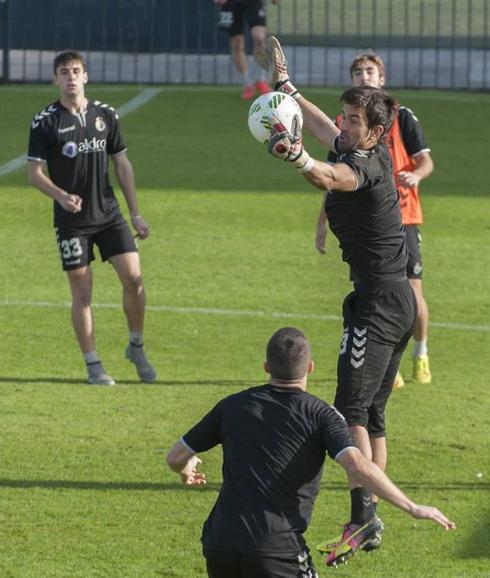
{"x": 279, "y": 68}
{"x": 189, "y": 474}
{"x": 288, "y": 146}
{"x": 142, "y": 229}
{"x": 283, "y": 144}
{"x": 431, "y": 513}
{"x": 71, "y": 203}
{"x": 408, "y": 179}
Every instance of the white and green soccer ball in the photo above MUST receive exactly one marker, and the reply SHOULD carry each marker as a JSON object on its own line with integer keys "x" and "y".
{"x": 269, "y": 108}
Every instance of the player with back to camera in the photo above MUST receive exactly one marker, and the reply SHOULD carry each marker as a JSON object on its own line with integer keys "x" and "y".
{"x": 70, "y": 142}
{"x": 233, "y": 14}
{"x": 275, "y": 438}
{"x": 363, "y": 210}
{"x": 412, "y": 163}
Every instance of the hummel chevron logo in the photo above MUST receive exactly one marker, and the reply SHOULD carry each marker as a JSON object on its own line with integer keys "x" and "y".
{"x": 359, "y": 342}
{"x": 360, "y": 332}
{"x": 355, "y": 363}
{"x": 358, "y": 353}
{"x": 45, "y": 112}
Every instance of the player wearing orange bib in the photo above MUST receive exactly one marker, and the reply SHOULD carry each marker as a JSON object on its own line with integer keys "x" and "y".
{"x": 411, "y": 163}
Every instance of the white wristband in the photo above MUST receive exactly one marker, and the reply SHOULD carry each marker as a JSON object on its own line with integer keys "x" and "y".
{"x": 307, "y": 166}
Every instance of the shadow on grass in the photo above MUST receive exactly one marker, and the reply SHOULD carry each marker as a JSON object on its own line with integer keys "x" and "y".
{"x": 48, "y": 380}
{"x": 477, "y": 544}
{"x": 162, "y": 487}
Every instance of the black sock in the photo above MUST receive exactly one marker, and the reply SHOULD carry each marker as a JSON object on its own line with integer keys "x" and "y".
{"x": 362, "y": 508}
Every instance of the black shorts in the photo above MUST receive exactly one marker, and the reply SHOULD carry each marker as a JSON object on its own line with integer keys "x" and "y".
{"x": 378, "y": 322}
{"x": 237, "y": 565}
{"x": 414, "y": 265}
{"x": 76, "y": 243}
{"x": 233, "y": 15}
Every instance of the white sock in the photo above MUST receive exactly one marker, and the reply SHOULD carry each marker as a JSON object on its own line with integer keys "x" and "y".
{"x": 420, "y": 348}
{"x": 91, "y": 357}
{"x": 136, "y": 337}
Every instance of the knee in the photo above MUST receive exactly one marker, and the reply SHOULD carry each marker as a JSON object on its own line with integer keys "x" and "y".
{"x": 133, "y": 284}
{"x": 237, "y": 45}
{"x": 81, "y": 294}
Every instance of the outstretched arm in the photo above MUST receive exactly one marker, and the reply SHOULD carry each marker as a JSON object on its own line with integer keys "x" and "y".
{"x": 314, "y": 120}
{"x": 365, "y": 473}
{"x": 289, "y": 147}
{"x": 183, "y": 461}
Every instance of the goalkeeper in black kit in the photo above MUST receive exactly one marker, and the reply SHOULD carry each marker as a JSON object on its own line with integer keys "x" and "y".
{"x": 363, "y": 212}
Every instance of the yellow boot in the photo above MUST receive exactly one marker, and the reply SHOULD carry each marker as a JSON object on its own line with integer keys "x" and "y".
{"x": 421, "y": 369}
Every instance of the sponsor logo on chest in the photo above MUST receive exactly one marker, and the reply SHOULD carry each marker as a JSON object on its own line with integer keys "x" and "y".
{"x": 94, "y": 145}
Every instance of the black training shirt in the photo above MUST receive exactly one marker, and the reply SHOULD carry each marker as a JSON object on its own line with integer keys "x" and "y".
{"x": 367, "y": 221}
{"x": 274, "y": 442}
{"x": 76, "y": 148}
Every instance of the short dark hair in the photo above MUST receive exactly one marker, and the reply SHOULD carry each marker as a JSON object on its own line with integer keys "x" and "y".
{"x": 380, "y": 107}
{"x": 288, "y": 354}
{"x": 66, "y": 56}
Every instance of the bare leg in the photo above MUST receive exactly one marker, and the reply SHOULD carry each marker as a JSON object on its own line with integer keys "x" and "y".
{"x": 237, "y": 47}
{"x": 379, "y": 451}
{"x": 422, "y": 322}
{"x": 258, "y": 34}
{"x": 380, "y": 454}
{"x": 128, "y": 269}
{"x": 81, "y": 309}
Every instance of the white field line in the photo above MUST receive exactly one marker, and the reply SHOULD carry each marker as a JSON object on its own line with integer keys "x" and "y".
{"x": 231, "y": 313}
{"x": 133, "y": 104}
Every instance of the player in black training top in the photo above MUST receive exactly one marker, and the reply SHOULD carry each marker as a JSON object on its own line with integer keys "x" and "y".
{"x": 363, "y": 211}
{"x": 275, "y": 438}
{"x": 69, "y": 148}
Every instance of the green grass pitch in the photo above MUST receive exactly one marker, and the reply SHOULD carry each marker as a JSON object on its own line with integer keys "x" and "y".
{"x": 84, "y": 489}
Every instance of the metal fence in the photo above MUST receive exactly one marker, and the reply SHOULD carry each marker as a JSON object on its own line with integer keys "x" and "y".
{"x": 425, "y": 43}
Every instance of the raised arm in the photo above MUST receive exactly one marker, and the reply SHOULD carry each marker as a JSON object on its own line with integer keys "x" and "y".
{"x": 325, "y": 176}
{"x": 315, "y": 120}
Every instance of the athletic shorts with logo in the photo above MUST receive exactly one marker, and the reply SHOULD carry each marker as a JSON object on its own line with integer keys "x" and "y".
{"x": 233, "y": 15}
{"x": 414, "y": 265}
{"x": 239, "y": 565}
{"x": 76, "y": 243}
{"x": 378, "y": 323}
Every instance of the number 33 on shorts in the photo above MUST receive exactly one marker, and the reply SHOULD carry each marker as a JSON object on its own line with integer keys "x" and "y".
{"x": 70, "y": 248}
